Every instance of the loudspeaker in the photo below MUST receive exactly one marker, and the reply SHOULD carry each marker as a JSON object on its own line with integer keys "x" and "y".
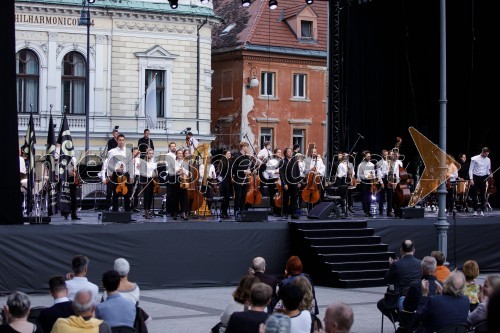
{"x": 252, "y": 216}
{"x": 117, "y": 217}
{"x": 324, "y": 210}
{"x": 412, "y": 212}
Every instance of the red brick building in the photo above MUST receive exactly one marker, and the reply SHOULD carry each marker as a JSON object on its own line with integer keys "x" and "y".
{"x": 270, "y": 74}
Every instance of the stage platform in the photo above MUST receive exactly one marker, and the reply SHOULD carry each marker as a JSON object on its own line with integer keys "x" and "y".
{"x": 207, "y": 251}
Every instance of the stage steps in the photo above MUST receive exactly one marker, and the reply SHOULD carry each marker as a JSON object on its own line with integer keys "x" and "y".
{"x": 343, "y": 254}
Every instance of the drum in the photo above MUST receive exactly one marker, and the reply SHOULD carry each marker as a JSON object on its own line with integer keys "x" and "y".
{"x": 462, "y": 186}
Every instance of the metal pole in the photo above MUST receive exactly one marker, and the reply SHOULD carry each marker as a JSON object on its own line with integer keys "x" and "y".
{"x": 441, "y": 224}
{"x": 87, "y": 84}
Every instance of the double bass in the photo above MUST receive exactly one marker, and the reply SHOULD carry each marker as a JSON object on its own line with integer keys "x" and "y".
{"x": 311, "y": 193}
{"x": 402, "y": 193}
{"x": 253, "y": 196}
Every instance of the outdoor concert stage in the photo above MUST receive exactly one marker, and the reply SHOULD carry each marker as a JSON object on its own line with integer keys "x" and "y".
{"x": 205, "y": 252}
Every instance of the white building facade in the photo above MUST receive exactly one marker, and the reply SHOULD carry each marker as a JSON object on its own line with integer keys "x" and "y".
{"x": 131, "y": 42}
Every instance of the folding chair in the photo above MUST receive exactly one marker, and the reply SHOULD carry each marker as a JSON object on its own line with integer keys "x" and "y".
{"x": 391, "y": 304}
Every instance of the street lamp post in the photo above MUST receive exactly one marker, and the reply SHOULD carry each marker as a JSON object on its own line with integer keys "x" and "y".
{"x": 86, "y": 21}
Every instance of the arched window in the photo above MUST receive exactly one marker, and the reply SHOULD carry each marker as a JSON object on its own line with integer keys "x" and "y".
{"x": 73, "y": 83}
{"x": 27, "y": 81}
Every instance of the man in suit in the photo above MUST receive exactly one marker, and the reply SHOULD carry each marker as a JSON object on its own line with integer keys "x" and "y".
{"x": 402, "y": 272}
{"x": 62, "y": 307}
{"x": 145, "y": 143}
{"x": 450, "y": 308}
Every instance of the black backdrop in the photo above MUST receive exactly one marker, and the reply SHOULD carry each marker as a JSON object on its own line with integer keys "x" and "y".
{"x": 392, "y": 75}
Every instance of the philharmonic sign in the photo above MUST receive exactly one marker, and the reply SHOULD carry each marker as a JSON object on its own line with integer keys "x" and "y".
{"x": 48, "y": 20}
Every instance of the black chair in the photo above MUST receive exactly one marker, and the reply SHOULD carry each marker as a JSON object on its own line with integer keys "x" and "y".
{"x": 406, "y": 319}
{"x": 34, "y": 313}
{"x": 123, "y": 329}
{"x": 457, "y": 328}
{"x": 481, "y": 327}
{"x": 391, "y": 304}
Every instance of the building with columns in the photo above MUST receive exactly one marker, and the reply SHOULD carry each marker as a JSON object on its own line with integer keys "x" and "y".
{"x": 130, "y": 43}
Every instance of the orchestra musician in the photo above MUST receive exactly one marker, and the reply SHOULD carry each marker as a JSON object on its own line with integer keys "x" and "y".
{"x": 290, "y": 180}
{"x": 382, "y": 171}
{"x": 211, "y": 178}
{"x": 147, "y": 176}
{"x": 145, "y": 143}
{"x": 451, "y": 184}
{"x": 191, "y": 143}
{"x": 392, "y": 180}
{"x": 225, "y": 182}
{"x": 119, "y": 171}
{"x": 178, "y": 200}
{"x": 479, "y": 171}
{"x": 345, "y": 178}
{"x": 137, "y": 183}
{"x": 241, "y": 168}
{"x": 314, "y": 163}
{"x": 463, "y": 172}
{"x": 366, "y": 175}
{"x": 271, "y": 175}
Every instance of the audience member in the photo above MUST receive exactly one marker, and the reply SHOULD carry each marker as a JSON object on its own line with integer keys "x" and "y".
{"x": 78, "y": 278}
{"x": 300, "y": 321}
{"x": 276, "y": 323}
{"x": 127, "y": 289}
{"x": 249, "y": 321}
{"x": 493, "y": 309}
{"x": 491, "y": 284}
{"x": 83, "y": 320}
{"x": 16, "y": 313}
{"x": 258, "y": 269}
{"x": 338, "y": 318}
{"x": 307, "y": 302}
{"x": 241, "y": 298}
{"x": 62, "y": 307}
{"x": 472, "y": 288}
{"x": 293, "y": 270}
{"x": 116, "y": 310}
{"x": 450, "y": 308}
{"x": 442, "y": 271}
{"x": 410, "y": 302}
{"x": 401, "y": 274}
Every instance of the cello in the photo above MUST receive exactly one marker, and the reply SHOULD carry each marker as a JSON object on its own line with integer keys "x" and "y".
{"x": 311, "y": 193}
{"x": 253, "y": 196}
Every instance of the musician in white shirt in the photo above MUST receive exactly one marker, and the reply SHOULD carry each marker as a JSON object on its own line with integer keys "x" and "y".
{"x": 119, "y": 165}
{"x": 382, "y": 168}
{"x": 147, "y": 169}
{"x": 479, "y": 171}
{"x": 178, "y": 195}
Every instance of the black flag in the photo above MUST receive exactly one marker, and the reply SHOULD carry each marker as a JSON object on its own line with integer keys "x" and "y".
{"x": 67, "y": 154}
{"x": 29, "y": 150}
{"x": 50, "y": 159}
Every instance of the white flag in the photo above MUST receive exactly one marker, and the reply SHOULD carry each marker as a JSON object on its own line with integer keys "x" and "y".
{"x": 151, "y": 104}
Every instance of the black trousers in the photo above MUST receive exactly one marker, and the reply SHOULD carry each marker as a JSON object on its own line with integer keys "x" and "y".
{"x": 226, "y": 191}
{"x": 240, "y": 192}
{"x": 290, "y": 197}
{"x": 126, "y": 196}
{"x": 478, "y": 193}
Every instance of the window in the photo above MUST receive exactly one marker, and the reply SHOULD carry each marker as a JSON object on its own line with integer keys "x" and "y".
{"x": 298, "y": 138}
{"x": 299, "y": 85}
{"x": 73, "y": 83}
{"x": 160, "y": 90}
{"x": 227, "y": 84}
{"x": 266, "y": 134}
{"x": 27, "y": 81}
{"x": 267, "y": 84}
{"x": 306, "y": 28}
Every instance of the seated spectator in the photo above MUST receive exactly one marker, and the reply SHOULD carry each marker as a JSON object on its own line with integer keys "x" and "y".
{"x": 62, "y": 307}
{"x": 77, "y": 279}
{"x": 450, "y": 308}
{"x": 276, "y": 323}
{"x": 472, "y": 288}
{"x": 258, "y": 269}
{"x": 338, "y": 318}
{"x": 127, "y": 289}
{"x": 293, "y": 270}
{"x": 410, "y": 302}
{"x": 493, "y": 309}
{"x": 16, "y": 313}
{"x": 300, "y": 321}
{"x": 442, "y": 271}
{"x": 249, "y": 321}
{"x": 241, "y": 299}
{"x": 116, "y": 310}
{"x": 491, "y": 284}
{"x": 402, "y": 272}
{"x": 83, "y": 320}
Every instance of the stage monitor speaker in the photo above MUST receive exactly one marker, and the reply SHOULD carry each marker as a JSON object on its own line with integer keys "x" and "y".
{"x": 117, "y": 217}
{"x": 412, "y": 213}
{"x": 324, "y": 211}
{"x": 253, "y": 216}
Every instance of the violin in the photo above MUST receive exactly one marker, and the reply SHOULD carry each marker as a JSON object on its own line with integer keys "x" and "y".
{"x": 156, "y": 184}
{"x": 122, "y": 185}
